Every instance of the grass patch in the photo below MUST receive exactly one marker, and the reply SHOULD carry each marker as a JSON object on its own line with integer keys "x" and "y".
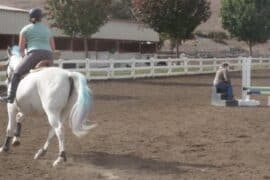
{"x": 178, "y": 70}
{"x": 143, "y": 71}
{"x": 260, "y": 66}
{"x": 98, "y": 73}
{"x": 209, "y": 69}
{"x": 195, "y": 69}
{"x": 165, "y": 70}
{"x": 122, "y": 72}
{"x": 2, "y": 78}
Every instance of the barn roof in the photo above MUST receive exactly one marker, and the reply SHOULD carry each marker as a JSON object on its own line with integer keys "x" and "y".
{"x": 3, "y": 7}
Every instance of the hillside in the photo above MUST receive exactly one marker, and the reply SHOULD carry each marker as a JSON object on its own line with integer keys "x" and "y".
{"x": 193, "y": 46}
{"x": 214, "y": 25}
{"x": 214, "y": 22}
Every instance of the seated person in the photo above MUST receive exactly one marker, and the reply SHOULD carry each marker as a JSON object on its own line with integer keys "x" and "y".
{"x": 222, "y": 81}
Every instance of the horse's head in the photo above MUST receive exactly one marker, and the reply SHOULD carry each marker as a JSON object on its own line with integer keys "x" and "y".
{"x": 14, "y": 58}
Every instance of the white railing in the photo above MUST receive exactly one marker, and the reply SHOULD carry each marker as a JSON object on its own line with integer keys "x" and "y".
{"x": 137, "y": 68}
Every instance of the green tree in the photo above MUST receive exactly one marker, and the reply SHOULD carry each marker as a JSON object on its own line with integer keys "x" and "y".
{"x": 121, "y": 9}
{"x": 78, "y": 18}
{"x": 248, "y": 20}
{"x": 177, "y": 18}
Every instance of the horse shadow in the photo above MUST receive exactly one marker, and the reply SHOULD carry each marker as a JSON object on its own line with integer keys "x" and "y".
{"x": 132, "y": 162}
{"x": 105, "y": 97}
{"x": 153, "y": 82}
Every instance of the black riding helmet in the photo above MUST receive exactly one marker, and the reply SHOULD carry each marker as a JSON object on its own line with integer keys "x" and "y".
{"x": 35, "y": 15}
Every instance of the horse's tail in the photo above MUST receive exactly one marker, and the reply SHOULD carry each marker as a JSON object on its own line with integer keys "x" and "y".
{"x": 81, "y": 101}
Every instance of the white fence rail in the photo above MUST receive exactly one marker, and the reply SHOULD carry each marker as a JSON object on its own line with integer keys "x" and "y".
{"x": 135, "y": 68}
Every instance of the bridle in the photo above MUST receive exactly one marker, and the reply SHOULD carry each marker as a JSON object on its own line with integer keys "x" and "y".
{"x": 9, "y": 75}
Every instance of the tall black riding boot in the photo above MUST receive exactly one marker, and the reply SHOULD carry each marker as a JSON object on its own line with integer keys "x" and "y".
{"x": 12, "y": 91}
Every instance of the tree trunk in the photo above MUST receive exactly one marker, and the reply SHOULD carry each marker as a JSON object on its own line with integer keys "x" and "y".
{"x": 85, "y": 47}
{"x": 96, "y": 48}
{"x": 178, "y": 42}
{"x": 250, "y": 48}
{"x": 72, "y": 43}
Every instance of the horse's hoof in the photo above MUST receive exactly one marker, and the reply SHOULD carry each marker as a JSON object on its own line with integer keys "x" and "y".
{"x": 58, "y": 161}
{"x": 41, "y": 152}
{"x": 16, "y": 141}
{"x": 3, "y": 149}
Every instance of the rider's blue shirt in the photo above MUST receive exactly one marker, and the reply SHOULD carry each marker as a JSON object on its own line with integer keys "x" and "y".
{"x": 37, "y": 36}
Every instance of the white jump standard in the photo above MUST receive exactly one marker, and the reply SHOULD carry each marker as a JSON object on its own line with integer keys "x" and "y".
{"x": 247, "y": 89}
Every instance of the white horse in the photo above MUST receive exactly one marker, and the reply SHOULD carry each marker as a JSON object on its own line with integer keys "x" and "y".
{"x": 52, "y": 91}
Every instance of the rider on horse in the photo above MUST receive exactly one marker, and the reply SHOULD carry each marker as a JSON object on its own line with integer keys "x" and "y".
{"x": 40, "y": 45}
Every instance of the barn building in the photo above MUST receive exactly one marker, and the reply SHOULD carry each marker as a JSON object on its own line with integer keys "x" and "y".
{"x": 117, "y": 39}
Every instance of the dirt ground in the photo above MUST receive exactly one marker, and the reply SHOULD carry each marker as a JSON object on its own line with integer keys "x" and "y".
{"x": 152, "y": 129}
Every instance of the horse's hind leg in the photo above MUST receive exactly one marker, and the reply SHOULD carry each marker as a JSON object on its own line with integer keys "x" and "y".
{"x": 42, "y": 151}
{"x": 59, "y": 131}
{"x": 10, "y": 128}
{"x": 16, "y": 139}
{"x": 57, "y": 125}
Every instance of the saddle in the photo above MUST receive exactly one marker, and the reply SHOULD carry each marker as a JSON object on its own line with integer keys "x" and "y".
{"x": 46, "y": 63}
{"x": 42, "y": 64}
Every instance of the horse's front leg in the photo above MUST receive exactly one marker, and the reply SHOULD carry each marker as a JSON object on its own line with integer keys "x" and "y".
{"x": 16, "y": 139}
{"x": 10, "y": 128}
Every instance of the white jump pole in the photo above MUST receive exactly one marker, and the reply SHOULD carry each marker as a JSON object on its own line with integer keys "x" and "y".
{"x": 246, "y": 76}
{"x": 246, "y": 71}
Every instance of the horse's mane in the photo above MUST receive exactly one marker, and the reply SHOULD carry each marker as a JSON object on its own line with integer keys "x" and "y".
{"x": 15, "y": 51}
{"x": 15, "y": 56}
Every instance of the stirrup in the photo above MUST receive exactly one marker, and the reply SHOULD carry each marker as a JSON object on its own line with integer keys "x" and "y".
{"x": 11, "y": 100}
{"x": 7, "y": 99}
{"x": 4, "y": 99}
